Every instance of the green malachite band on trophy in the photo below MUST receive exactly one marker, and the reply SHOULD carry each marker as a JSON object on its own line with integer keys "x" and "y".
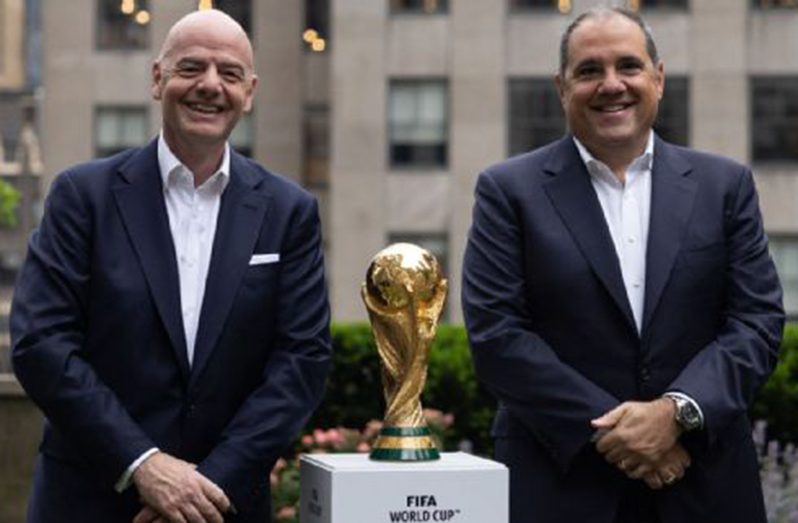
{"x": 405, "y": 454}
{"x": 405, "y": 431}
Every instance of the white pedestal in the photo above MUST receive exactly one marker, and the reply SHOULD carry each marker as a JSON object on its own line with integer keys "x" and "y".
{"x": 351, "y": 488}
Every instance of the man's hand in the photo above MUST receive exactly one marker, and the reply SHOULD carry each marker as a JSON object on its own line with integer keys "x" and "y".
{"x": 149, "y": 515}
{"x": 637, "y": 433}
{"x": 172, "y": 489}
{"x": 669, "y": 469}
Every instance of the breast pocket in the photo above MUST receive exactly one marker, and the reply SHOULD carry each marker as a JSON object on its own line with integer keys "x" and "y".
{"x": 708, "y": 255}
{"x": 261, "y": 274}
{"x": 699, "y": 272}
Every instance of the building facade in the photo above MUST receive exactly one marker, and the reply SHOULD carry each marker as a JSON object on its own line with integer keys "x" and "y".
{"x": 388, "y": 109}
{"x": 425, "y": 94}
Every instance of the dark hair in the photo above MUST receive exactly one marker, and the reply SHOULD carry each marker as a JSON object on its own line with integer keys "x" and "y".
{"x": 600, "y": 12}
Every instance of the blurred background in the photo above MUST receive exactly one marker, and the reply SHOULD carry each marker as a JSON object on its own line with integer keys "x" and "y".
{"x": 385, "y": 109}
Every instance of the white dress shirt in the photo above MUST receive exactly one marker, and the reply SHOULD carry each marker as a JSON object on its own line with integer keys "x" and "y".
{"x": 193, "y": 212}
{"x": 626, "y": 207}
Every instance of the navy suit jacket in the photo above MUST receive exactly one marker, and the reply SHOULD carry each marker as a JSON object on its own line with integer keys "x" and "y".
{"x": 553, "y": 335}
{"x": 98, "y": 339}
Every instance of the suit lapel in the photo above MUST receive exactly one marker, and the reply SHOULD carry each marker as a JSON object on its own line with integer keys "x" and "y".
{"x": 241, "y": 216}
{"x": 672, "y": 195}
{"x": 139, "y": 197}
{"x": 574, "y": 198}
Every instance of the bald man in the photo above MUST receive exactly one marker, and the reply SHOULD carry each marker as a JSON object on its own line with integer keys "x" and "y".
{"x": 171, "y": 318}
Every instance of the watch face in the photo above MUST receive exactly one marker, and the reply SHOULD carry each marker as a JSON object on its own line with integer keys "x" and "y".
{"x": 688, "y": 415}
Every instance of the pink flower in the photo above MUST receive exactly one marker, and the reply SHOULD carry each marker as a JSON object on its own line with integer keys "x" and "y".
{"x": 320, "y": 436}
{"x": 280, "y": 465}
{"x": 307, "y": 440}
{"x": 363, "y": 447}
{"x": 335, "y": 437}
{"x": 287, "y": 512}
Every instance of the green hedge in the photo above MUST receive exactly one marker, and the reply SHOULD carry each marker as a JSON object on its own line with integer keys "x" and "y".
{"x": 777, "y": 402}
{"x": 354, "y": 390}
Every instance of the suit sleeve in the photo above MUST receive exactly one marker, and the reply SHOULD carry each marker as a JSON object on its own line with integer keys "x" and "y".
{"x": 553, "y": 400}
{"x": 48, "y": 325}
{"x": 724, "y": 376}
{"x": 292, "y": 380}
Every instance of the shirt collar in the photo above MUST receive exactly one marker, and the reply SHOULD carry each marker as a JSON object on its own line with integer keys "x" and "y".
{"x": 169, "y": 163}
{"x": 642, "y": 162}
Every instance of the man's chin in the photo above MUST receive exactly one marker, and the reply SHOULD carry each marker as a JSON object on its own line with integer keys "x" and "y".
{"x": 206, "y": 136}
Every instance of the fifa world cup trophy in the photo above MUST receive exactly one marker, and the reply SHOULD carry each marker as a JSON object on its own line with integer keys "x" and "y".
{"x": 404, "y": 293}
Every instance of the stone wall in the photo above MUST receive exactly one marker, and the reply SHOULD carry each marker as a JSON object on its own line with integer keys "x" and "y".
{"x": 20, "y": 431}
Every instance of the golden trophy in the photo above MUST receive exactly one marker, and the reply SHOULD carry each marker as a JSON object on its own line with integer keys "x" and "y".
{"x": 404, "y": 293}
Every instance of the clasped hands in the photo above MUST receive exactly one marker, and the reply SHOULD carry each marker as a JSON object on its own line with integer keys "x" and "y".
{"x": 642, "y": 440}
{"x": 173, "y": 491}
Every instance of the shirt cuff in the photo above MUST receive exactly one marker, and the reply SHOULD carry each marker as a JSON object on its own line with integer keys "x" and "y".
{"x": 682, "y": 395}
{"x": 125, "y": 479}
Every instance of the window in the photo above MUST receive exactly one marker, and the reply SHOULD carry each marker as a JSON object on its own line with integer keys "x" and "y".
{"x": 419, "y": 6}
{"x": 654, "y": 4}
{"x": 769, "y": 4}
{"x": 240, "y": 10}
{"x": 536, "y": 117}
{"x": 317, "y": 17}
{"x": 673, "y": 123}
{"x": 123, "y": 24}
{"x": 316, "y": 130}
{"x": 774, "y": 118}
{"x": 563, "y": 6}
{"x": 119, "y": 128}
{"x": 785, "y": 254}
{"x": 418, "y": 126}
{"x": 241, "y": 138}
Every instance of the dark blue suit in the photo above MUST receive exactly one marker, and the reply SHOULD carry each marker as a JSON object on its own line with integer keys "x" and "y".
{"x": 98, "y": 339}
{"x": 553, "y": 335}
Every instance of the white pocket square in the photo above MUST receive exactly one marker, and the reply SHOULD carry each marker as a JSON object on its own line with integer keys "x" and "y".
{"x": 260, "y": 259}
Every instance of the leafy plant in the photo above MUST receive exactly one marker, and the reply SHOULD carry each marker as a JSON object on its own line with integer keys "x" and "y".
{"x": 354, "y": 392}
{"x": 9, "y": 201}
{"x": 777, "y": 402}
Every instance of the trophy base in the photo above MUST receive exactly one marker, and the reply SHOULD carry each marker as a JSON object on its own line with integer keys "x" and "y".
{"x": 404, "y": 444}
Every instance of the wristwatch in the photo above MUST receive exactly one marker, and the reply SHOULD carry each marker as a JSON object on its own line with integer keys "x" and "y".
{"x": 687, "y": 415}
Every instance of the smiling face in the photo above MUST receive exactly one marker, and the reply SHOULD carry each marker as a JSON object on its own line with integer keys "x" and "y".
{"x": 204, "y": 81}
{"x": 610, "y": 87}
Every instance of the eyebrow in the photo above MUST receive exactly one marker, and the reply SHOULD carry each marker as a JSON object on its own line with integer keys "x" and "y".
{"x": 620, "y": 59}
{"x": 223, "y": 65}
{"x": 587, "y": 62}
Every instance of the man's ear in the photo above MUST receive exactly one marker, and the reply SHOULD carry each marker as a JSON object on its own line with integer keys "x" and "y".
{"x": 157, "y": 76}
{"x": 558, "y": 81}
{"x": 251, "y": 94}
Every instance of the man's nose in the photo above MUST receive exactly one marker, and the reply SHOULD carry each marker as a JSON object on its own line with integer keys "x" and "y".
{"x": 612, "y": 83}
{"x": 210, "y": 83}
